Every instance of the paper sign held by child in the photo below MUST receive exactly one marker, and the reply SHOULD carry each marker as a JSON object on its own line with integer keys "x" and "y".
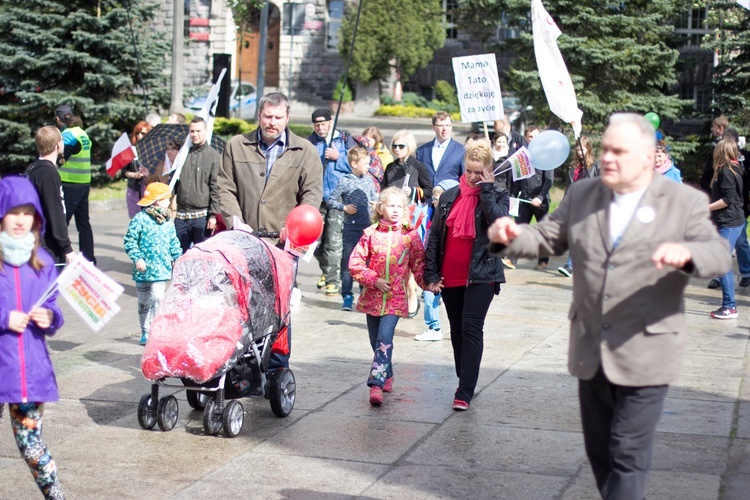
{"x": 90, "y": 292}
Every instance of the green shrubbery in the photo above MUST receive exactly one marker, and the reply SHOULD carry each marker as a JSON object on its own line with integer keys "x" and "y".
{"x": 413, "y": 105}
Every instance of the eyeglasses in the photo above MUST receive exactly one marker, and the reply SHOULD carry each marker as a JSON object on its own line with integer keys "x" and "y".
{"x": 398, "y": 146}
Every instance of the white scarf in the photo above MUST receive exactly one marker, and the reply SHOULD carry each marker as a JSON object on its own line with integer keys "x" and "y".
{"x": 17, "y": 251}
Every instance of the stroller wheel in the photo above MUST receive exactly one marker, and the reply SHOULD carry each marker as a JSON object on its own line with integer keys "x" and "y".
{"x": 233, "y": 418}
{"x": 283, "y": 391}
{"x": 167, "y": 413}
{"x": 211, "y": 421}
{"x": 196, "y": 400}
{"x": 146, "y": 416}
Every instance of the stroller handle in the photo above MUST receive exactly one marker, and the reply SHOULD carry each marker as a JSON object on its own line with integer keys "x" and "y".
{"x": 267, "y": 234}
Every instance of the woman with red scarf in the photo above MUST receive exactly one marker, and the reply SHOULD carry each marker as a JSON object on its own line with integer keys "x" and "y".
{"x": 458, "y": 262}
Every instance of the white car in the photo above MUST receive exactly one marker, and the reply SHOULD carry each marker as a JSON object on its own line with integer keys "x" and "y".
{"x": 241, "y": 101}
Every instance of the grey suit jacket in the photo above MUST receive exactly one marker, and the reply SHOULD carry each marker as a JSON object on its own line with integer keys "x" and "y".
{"x": 626, "y": 314}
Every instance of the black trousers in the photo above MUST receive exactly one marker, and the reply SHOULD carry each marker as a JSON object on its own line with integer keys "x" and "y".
{"x": 619, "y": 424}
{"x": 467, "y": 308}
{"x": 525, "y": 212}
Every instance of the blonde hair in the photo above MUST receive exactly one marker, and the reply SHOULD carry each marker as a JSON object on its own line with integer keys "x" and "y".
{"x": 356, "y": 154}
{"x": 47, "y": 139}
{"x": 588, "y": 157}
{"x": 375, "y": 133}
{"x": 383, "y": 198}
{"x": 405, "y": 137}
{"x": 479, "y": 151}
{"x": 725, "y": 155}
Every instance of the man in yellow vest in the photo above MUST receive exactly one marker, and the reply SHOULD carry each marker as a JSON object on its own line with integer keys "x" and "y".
{"x": 75, "y": 174}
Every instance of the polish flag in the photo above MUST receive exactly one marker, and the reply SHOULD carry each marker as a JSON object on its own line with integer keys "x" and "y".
{"x": 122, "y": 154}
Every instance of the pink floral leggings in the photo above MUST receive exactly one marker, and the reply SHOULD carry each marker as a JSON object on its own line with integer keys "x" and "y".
{"x": 26, "y": 420}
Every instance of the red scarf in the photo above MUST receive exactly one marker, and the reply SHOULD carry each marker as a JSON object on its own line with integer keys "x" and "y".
{"x": 461, "y": 218}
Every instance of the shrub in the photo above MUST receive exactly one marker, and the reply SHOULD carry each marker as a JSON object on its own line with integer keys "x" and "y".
{"x": 446, "y": 93}
{"x": 413, "y": 99}
{"x": 228, "y": 127}
{"x": 347, "y": 91}
{"x": 405, "y": 111}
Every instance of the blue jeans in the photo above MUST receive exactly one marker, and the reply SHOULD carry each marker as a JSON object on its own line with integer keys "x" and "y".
{"x": 731, "y": 234}
{"x": 350, "y": 241}
{"x": 431, "y": 310}
{"x": 191, "y": 231}
{"x": 77, "y": 204}
{"x": 150, "y": 295}
{"x": 381, "y": 330}
{"x": 743, "y": 252}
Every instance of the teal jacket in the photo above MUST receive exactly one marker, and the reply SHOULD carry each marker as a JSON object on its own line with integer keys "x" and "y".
{"x": 155, "y": 243}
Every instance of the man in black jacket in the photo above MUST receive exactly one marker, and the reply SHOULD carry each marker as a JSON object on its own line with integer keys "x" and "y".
{"x": 197, "y": 193}
{"x": 44, "y": 176}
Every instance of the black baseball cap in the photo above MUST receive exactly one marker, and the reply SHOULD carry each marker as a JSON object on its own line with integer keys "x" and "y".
{"x": 63, "y": 110}
{"x": 323, "y": 113}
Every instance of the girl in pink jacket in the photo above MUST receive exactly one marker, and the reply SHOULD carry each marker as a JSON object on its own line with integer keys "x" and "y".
{"x": 381, "y": 262}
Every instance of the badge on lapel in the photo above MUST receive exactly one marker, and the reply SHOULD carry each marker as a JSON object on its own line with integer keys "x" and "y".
{"x": 645, "y": 215}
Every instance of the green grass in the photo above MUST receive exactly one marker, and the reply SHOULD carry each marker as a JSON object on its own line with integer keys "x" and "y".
{"x": 113, "y": 191}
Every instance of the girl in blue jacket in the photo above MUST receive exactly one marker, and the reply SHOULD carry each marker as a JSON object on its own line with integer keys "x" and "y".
{"x": 27, "y": 379}
{"x": 151, "y": 243}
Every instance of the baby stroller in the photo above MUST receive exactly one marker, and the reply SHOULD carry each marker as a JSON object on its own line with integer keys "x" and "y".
{"x": 225, "y": 312}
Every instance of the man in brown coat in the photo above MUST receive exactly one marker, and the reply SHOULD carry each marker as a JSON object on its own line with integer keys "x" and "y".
{"x": 635, "y": 239}
{"x": 265, "y": 174}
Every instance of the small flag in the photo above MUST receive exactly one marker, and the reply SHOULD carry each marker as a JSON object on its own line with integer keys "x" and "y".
{"x": 122, "y": 154}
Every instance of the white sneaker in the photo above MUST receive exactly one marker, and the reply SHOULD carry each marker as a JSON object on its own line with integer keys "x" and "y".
{"x": 296, "y": 298}
{"x": 430, "y": 336}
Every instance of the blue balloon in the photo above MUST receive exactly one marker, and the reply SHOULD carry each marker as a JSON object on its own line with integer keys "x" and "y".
{"x": 549, "y": 150}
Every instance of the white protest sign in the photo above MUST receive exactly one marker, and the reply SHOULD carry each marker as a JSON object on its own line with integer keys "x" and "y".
{"x": 90, "y": 292}
{"x": 478, "y": 88}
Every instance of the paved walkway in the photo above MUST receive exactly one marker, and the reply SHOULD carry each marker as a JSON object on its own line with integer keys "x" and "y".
{"x": 521, "y": 438}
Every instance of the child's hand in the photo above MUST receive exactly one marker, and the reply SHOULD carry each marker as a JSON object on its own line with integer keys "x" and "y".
{"x": 140, "y": 265}
{"x": 382, "y": 285}
{"x": 17, "y": 321}
{"x": 351, "y": 209}
{"x": 42, "y": 317}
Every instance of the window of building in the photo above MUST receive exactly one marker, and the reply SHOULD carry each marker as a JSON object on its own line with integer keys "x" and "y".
{"x": 294, "y": 18}
{"x": 449, "y": 19}
{"x": 335, "y": 16}
{"x": 692, "y": 26}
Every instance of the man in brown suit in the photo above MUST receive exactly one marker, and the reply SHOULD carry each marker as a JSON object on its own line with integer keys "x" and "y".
{"x": 636, "y": 239}
{"x": 265, "y": 174}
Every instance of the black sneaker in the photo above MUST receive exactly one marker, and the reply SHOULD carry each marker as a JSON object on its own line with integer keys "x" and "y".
{"x": 714, "y": 284}
{"x": 565, "y": 270}
{"x": 744, "y": 282}
{"x": 724, "y": 313}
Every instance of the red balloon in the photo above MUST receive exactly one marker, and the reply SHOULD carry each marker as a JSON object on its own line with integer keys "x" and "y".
{"x": 304, "y": 225}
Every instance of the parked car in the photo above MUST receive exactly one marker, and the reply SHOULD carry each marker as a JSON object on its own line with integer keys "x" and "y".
{"x": 241, "y": 100}
{"x": 511, "y": 106}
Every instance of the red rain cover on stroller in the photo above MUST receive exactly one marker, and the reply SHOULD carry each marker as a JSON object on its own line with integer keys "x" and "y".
{"x": 226, "y": 292}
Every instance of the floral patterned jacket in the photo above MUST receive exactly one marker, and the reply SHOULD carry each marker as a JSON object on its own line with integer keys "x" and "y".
{"x": 387, "y": 252}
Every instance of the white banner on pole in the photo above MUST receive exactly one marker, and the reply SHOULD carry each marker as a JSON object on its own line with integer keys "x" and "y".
{"x": 558, "y": 87}
{"x": 208, "y": 112}
{"x": 478, "y": 88}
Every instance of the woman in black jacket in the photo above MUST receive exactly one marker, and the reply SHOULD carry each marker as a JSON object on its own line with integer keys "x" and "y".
{"x": 458, "y": 261}
{"x": 419, "y": 183}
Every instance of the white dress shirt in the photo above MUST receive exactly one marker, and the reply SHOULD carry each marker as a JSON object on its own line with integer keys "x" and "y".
{"x": 438, "y": 150}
